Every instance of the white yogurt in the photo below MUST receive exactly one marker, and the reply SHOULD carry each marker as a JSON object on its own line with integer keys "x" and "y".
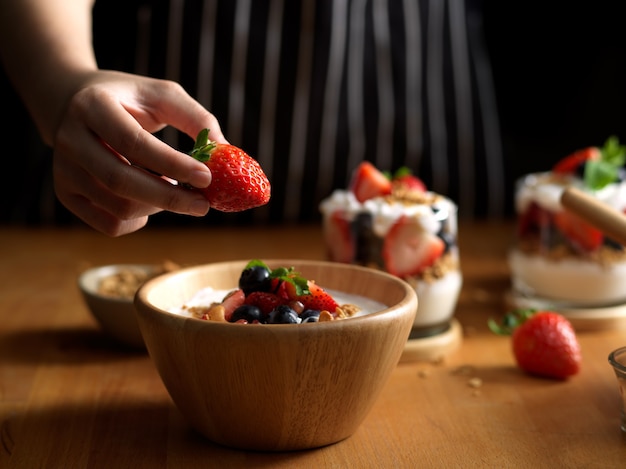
{"x": 568, "y": 280}
{"x": 207, "y": 296}
{"x": 575, "y": 279}
{"x": 546, "y": 192}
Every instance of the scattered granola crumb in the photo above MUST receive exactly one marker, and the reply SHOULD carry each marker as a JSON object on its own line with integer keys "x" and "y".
{"x": 126, "y": 282}
{"x": 475, "y": 382}
{"x": 463, "y": 370}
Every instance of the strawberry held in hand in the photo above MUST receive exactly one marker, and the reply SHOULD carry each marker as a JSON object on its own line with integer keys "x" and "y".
{"x": 238, "y": 183}
{"x": 544, "y": 342}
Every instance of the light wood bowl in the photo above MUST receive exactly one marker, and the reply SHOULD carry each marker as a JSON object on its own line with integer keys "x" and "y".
{"x": 275, "y": 387}
{"x": 116, "y": 315}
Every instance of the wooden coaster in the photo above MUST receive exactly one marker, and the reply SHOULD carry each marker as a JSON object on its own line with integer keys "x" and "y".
{"x": 434, "y": 348}
{"x": 583, "y": 318}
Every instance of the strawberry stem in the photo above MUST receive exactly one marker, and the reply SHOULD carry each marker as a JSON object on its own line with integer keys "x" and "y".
{"x": 203, "y": 147}
{"x": 510, "y": 321}
{"x": 599, "y": 173}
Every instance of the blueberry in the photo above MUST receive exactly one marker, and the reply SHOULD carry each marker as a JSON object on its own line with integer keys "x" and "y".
{"x": 310, "y": 315}
{"x": 448, "y": 238}
{"x": 283, "y": 314}
{"x": 255, "y": 278}
{"x": 248, "y": 312}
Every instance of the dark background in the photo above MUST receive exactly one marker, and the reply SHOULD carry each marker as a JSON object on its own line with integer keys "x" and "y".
{"x": 559, "y": 71}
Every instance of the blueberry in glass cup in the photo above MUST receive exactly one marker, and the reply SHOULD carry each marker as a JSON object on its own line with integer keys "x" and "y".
{"x": 395, "y": 224}
{"x": 557, "y": 256}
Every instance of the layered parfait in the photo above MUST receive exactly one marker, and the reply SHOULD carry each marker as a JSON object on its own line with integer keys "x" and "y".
{"x": 394, "y": 223}
{"x": 557, "y": 256}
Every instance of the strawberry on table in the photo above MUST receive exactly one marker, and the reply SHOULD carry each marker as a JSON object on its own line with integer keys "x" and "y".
{"x": 238, "y": 183}
{"x": 408, "y": 249}
{"x": 544, "y": 342}
{"x": 368, "y": 182}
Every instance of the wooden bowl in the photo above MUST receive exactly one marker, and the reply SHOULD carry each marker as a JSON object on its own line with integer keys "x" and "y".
{"x": 115, "y": 314}
{"x": 275, "y": 387}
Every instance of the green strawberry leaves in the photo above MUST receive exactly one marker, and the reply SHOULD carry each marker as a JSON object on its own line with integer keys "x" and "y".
{"x": 284, "y": 274}
{"x": 203, "y": 147}
{"x": 602, "y": 172}
{"x": 510, "y": 321}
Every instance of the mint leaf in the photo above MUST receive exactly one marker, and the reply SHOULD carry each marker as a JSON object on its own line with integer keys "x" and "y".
{"x": 599, "y": 174}
{"x": 604, "y": 171}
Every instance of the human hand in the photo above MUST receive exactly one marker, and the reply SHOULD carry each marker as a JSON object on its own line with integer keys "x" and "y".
{"x": 109, "y": 169}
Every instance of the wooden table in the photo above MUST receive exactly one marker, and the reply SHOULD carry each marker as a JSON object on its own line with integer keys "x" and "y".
{"x": 72, "y": 398}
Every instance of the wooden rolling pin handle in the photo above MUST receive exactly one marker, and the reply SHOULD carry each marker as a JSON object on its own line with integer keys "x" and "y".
{"x": 602, "y": 216}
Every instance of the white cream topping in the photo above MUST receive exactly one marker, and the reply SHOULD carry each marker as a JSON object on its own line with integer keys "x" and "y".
{"x": 385, "y": 213}
{"x": 546, "y": 192}
{"x": 207, "y": 296}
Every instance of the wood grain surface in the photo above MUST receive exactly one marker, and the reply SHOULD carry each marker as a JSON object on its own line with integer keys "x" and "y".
{"x": 71, "y": 397}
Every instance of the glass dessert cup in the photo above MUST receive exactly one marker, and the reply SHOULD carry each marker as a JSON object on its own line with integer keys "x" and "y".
{"x": 396, "y": 238}
{"x": 617, "y": 360}
{"x": 558, "y": 257}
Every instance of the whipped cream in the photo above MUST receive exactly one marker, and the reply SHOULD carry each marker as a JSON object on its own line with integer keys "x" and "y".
{"x": 386, "y": 212}
{"x": 545, "y": 190}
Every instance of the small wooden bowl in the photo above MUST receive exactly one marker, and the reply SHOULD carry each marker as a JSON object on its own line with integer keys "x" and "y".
{"x": 275, "y": 387}
{"x": 115, "y": 314}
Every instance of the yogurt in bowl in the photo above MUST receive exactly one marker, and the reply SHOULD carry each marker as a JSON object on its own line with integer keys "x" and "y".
{"x": 275, "y": 387}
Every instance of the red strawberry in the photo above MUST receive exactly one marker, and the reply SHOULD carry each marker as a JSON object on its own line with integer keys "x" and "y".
{"x": 544, "y": 343}
{"x": 404, "y": 178}
{"x": 411, "y": 182}
{"x": 368, "y": 182}
{"x": 578, "y": 231}
{"x": 265, "y": 301}
{"x": 317, "y": 298}
{"x": 339, "y": 239}
{"x": 408, "y": 249}
{"x": 570, "y": 163}
{"x": 239, "y": 182}
{"x": 232, "y": 301}
{"x": 533, "y": 220}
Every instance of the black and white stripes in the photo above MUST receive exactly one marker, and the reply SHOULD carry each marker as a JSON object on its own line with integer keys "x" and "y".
{"x": 311, "y": 88}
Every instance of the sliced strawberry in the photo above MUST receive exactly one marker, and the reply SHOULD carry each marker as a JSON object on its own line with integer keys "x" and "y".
{"x": 578, "y": 231}
{"x": 339, "y": 239}
{"x": 408, "y": 249}
{"x": 533, "y": 220}
{"x": 232, "y": 301}
{"x": 368, "y": 182}
{"x": 572, "y": 162}
{"x": 318, "y": 299}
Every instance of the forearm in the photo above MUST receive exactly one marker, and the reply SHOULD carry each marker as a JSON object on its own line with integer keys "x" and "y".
{"x": 46, "y": 48}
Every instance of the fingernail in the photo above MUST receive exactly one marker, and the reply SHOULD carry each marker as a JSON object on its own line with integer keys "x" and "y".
{"x": 200, "y": 178}
{"x": 199, "y": 207}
